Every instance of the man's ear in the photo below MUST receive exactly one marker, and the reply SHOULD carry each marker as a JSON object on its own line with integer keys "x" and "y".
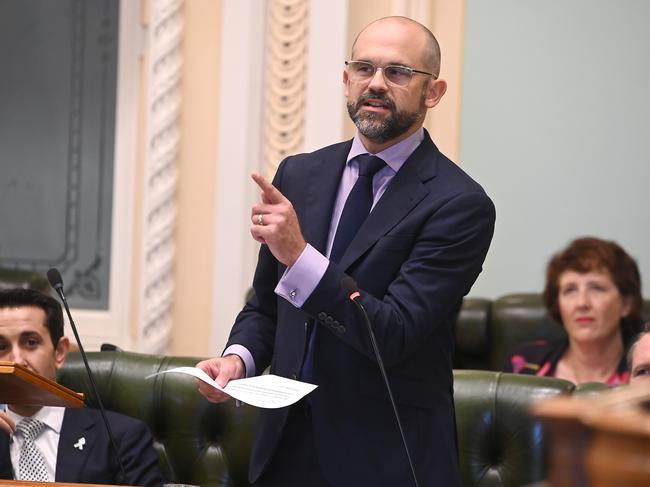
{"x": 346, "y": 80}
{"x": 61, "y": 352}
{"x": 436, "y": 88}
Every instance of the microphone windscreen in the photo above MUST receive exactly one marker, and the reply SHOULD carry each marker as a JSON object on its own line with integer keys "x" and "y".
{"x": 54, "y": 276}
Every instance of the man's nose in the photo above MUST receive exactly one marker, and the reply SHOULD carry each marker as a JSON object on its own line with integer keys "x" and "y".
{"x": 14, "y": 355}
{"x": 378, "y": 82}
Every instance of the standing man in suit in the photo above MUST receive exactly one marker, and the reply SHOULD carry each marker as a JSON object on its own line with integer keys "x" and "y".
{"x": 413, "y": 259}
{"x": 55, "y": 443}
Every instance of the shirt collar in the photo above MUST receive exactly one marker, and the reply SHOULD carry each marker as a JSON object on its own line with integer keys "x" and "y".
{"x": 50, "y": 415}
{"x": 394, "y": 156}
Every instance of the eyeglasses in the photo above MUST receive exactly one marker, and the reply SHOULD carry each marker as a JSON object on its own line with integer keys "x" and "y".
{"x": 394, "y": 74}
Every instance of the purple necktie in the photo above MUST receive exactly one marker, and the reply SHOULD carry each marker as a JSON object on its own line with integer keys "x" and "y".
{"x": 357, "y": 206}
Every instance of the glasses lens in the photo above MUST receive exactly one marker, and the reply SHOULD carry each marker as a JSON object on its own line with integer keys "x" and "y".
{"x": 361, "y": 69}
{"x": 398, "y": 75}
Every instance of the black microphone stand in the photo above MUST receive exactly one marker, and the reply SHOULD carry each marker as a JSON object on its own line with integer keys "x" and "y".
{"x": 355, "y": 297}
{"x": 56, "y": 281}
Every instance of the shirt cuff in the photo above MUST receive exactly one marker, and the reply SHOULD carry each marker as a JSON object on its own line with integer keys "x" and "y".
{"x": 300, "y": 280}
{"x": 243, "y": 353}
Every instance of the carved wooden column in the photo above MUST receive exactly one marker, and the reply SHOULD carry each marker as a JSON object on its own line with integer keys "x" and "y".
{"x": 285, "y": 83}
{"x": 162, "y": 70}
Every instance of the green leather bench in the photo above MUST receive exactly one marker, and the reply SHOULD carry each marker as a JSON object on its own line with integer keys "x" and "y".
{"x": 487, "y": 331}
{"x": 208, "y": 444}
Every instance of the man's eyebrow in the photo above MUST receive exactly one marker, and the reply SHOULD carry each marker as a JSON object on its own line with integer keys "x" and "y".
{"x": 29, "y": 334}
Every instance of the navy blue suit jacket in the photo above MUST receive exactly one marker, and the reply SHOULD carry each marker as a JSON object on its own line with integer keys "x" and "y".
{"x": 414, "y": 258}
{"x": 95, "y": 463}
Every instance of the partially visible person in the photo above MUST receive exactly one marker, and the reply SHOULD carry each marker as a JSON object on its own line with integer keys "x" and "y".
{"x": 55, "y": 443}
{"x": 638, "y": 357}
{"x": 593, "y": 288}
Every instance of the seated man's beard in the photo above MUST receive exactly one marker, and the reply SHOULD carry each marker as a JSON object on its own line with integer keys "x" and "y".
{"x": 379, "y": 129}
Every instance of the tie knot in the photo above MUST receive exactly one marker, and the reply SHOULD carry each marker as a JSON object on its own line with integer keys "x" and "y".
{"x": 30, "y": 428}
{"x": 369, "y": 164}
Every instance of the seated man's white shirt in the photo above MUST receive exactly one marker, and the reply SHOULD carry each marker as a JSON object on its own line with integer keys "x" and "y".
{"x": 47, "y": 441}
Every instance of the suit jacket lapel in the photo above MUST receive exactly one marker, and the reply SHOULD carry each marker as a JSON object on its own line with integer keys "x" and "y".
{"x": 6, "y": 470}
{"x": 404, "y": 192}
{"x": 323, "y": 184}
{"x": 71, "y": 460}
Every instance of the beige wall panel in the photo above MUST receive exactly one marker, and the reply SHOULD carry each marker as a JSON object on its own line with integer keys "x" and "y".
{"x": 192, "y": 312}
{"x": 360, "y": 14}
{"x": 443, "y": 122}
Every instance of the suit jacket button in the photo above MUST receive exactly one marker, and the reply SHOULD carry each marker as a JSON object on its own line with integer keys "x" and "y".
{"x": 322, "y": 315}
{"x": 329, "y": 320}
{"x": 341, "y": 329}
{"x": 294, "y": 376}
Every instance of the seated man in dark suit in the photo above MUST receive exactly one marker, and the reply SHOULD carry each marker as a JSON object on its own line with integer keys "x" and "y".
{"x": 55, "y": 443}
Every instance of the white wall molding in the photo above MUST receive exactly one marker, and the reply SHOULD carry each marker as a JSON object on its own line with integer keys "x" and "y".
{"x": 162, "y": 143}
{"x": 239, "y": 152}
{"x": 287, "y": 25}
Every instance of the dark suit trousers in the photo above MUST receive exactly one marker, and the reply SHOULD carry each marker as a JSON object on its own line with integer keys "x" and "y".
{"x": 295, "y": 462}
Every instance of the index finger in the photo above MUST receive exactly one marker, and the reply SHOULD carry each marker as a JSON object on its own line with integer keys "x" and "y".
{"x": 269, "y": 191}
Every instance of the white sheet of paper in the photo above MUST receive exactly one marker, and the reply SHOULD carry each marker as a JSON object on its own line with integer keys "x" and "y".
{"x": 262, "y": 391}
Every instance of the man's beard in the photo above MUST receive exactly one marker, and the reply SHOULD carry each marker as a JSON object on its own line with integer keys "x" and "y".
{"x": 379, "y": 129}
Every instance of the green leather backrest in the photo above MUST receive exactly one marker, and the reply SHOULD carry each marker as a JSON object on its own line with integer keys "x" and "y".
{"x": 12, "y": 278}
{"x": 472, "y": 334}
{"x": 499, "y": 443}
{"x": 198, "y": 442}
{"x": 516, "y": 319}
{"x": 206, "y": 444}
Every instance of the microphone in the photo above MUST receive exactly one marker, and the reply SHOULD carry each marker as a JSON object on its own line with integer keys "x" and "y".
{"x": 56, "y": 281}
{"x": 350, "y": 287}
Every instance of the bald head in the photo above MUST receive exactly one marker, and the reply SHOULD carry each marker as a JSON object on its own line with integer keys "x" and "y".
{"x": 423, "y": 40}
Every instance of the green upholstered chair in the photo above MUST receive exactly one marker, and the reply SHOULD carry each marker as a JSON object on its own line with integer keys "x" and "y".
{"x": 516, "y": 319}
{"x": 208, "y": 444}
{"x": 10, "y": 278}
{"x": 472, "y": 334}
{"x": 499, "y": 443}
{"x": 488, "y": 331}
{"x": 198, "y": 442}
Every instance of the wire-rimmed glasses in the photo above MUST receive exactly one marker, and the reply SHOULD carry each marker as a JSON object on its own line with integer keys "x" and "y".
{"x": 394, "y": 74}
